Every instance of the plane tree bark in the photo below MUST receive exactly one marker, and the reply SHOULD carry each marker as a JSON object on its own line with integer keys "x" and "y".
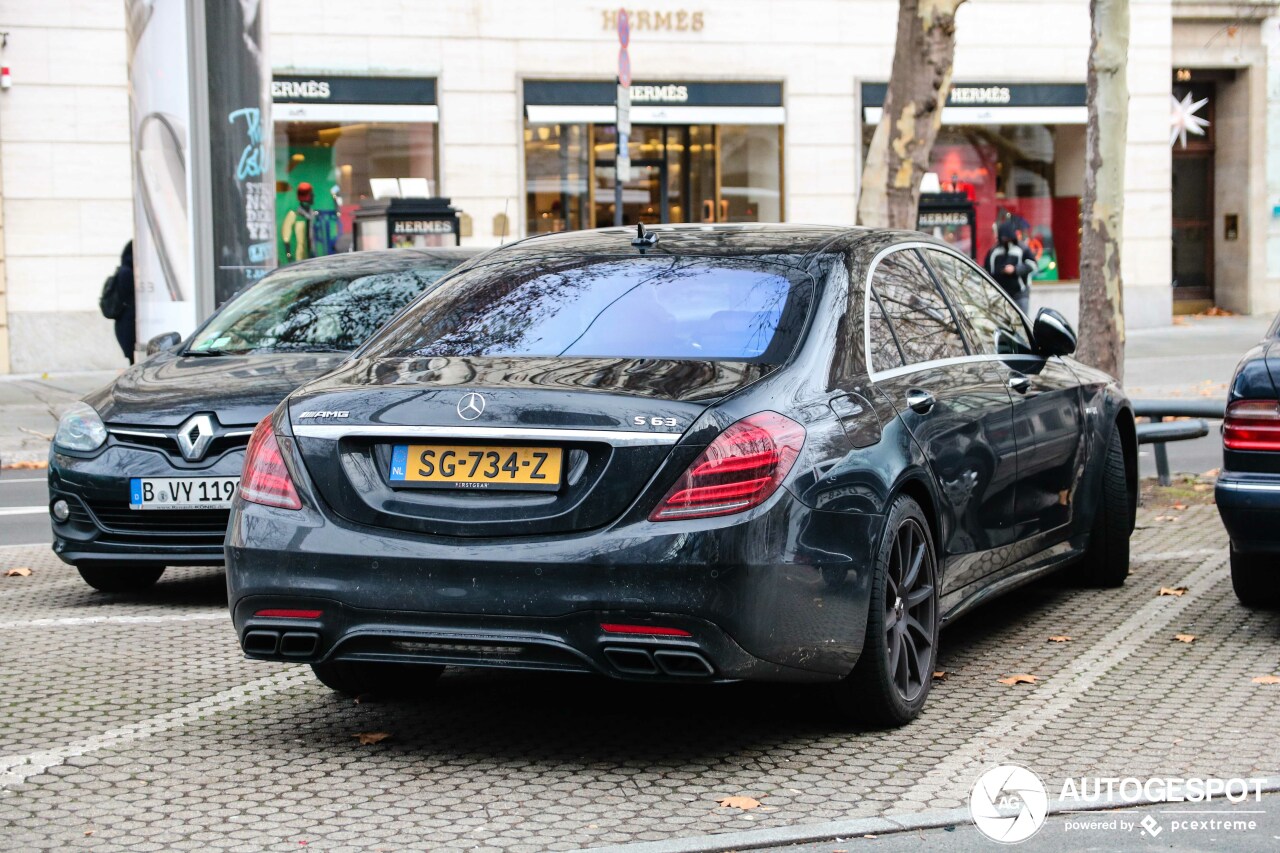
{"x": 1101, "y": 288}
{"x": 918, "y": 87}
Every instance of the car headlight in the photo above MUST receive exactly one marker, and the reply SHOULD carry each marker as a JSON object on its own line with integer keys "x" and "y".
{"x": 80, "y": 429}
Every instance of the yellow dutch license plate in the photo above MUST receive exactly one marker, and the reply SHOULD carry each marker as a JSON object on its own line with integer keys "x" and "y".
{"x": 448, "y": 466}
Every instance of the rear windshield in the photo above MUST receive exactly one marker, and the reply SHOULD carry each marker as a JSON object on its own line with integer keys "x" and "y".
{"x": 707, "y": 309}
{"x": 313, "y": 310}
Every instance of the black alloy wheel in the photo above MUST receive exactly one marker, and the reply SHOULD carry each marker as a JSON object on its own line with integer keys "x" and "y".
{"x": 1106, "y": 560}
{"x": 911, "y": 611}
{"x": 891, "y": 681}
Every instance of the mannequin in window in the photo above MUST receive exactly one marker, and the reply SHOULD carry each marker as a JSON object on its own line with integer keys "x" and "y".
{"x": 296, "y": 230}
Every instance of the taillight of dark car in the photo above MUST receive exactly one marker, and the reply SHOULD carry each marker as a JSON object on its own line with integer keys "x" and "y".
{"x": 1252, "y": 425}
{"x": 265, "y": 479}
{"x": 739, "y": 470}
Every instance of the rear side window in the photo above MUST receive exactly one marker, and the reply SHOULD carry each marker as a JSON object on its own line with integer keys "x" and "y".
{"x": 920, "y": 319}
{"x": 612, "y": 307}
{"x": 996, "y": 326}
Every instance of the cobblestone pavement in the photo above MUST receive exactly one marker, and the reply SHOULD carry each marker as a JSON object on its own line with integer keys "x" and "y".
{"x": 132, "y": 722}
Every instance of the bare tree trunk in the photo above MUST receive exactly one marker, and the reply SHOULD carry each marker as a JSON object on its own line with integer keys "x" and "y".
{"x": 1101, "y": 291}
{"x": 918, "y": 89}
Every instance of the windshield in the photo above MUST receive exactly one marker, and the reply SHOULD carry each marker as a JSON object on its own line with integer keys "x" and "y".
{"x": 713, "y": 309}
{"x": 313, "y": 310}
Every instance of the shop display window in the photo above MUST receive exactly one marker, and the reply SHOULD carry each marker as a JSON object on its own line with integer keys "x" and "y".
{"x": 679, "y": 173}
{"x": 1030, "y": 174}
{"x": 337, "y": 166}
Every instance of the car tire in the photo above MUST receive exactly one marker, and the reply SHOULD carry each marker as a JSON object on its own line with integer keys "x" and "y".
{"x": 1106, "y": 561}
{"x": 120, "y": 578}
{"x": 891, "y": 680}
{"x": 1256, "y": 579}
{"x": 389, "y": 680}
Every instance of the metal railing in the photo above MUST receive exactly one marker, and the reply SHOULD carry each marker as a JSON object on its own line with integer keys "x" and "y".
{"x": 1159, "y": 431}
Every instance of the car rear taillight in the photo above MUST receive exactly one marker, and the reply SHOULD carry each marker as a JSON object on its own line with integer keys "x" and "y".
{"x": 739, "y": 470}
{"x": 266, "y": 480}
{"x": 1252, "y": 425}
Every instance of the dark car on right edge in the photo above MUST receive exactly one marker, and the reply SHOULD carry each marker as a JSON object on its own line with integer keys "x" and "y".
{"x": 1248, "y": 490}
{"x": 785, "y": 453}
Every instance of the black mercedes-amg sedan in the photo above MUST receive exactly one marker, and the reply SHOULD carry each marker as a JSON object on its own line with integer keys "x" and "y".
{"x": 142, "y": 472}
{"x": 1248, "y": 488}
{"x": 695, "y": 453}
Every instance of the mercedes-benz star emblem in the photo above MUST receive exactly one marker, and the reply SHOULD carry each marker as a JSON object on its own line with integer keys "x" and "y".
{"x": 194, "y": 436}
{"x": 471, "y": 406}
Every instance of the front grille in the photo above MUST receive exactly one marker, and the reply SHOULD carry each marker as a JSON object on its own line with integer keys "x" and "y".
{"x": 167, "y": 442}
{"x": 197, "y": 526}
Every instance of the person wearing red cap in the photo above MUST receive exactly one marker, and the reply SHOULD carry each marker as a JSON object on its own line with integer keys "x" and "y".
{"x": 296, "y": 230}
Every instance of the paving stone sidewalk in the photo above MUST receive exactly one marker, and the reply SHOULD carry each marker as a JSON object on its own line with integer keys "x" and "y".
{"x": 133, "y": 723}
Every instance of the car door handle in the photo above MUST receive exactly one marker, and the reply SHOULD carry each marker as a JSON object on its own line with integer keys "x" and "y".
{"x": 920, "y": 401}
{"x": 1018, "y": 382}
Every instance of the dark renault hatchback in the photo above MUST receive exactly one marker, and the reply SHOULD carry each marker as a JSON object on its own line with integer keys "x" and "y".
{"x": 704, "y": 453}
{"x": 142, "y": 472}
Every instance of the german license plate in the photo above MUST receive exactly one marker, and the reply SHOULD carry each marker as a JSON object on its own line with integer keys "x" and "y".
{"x": 446, "y": 466}
{"x": 182, "y": 492}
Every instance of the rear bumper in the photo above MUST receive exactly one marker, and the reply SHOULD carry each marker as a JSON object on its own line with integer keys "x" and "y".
{"x": 571, "y": 643}
{"x": 780, "y": 595}
{"x": 1250, "y": 508}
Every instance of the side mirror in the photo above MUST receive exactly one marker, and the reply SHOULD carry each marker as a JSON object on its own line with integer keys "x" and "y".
{"x": 1053, "y": 333}
{"x": 163, "y": 342}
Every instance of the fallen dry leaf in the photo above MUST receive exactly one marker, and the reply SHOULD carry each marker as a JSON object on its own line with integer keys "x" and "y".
{"x": 940, "y": 674}
{"x": 88, "y": 832}
{"x": 1201, "y": 487}
{"x": 1172, "y": 590}
{"x": 19, "y": 572}
{"x": 1020, "y": 678}
{"x": 1179, "y": 507}
{"x": 1267, "y": 679}
{"x": 1064, "y": 497}
{"x": 1181, "y": 321}
{"x": 1166, "y": 518}
{"x": 1212, "y": 472}
{"x": 1185, "y": 638}
{"x": 368, "y": 738}
{"x": 25, "y": 466}
{"x": 1062, "y": 638}
{"x": 744, "y": 803}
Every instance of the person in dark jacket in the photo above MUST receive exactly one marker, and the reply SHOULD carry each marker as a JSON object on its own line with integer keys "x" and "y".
{"x": 1011, "y": 264}
{"x": 122, "y": 284}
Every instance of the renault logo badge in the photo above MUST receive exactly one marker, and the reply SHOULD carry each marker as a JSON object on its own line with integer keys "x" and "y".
{"x": 471, "y": 406}
{"x": 194, "y": 436}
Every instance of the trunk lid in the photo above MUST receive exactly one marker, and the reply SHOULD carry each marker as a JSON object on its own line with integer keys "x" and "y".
{"x": 611, "y": 421}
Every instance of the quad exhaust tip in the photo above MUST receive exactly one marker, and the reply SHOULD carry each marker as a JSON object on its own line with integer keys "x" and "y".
{"x": 676, "y": 663}
{"x": 290, "y": 644}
